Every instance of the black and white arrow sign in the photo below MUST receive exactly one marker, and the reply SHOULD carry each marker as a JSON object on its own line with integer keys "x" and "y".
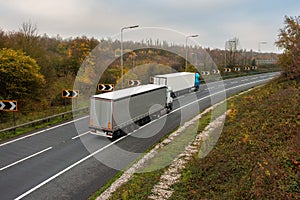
{"x": 216, "y": 71}
{"x": 8, "y": 105}
{"x": 134, "y": 82}
{"x": 105, "y": 87}
{"x": 205, "y": 73}
{"x": 70, "y": 93}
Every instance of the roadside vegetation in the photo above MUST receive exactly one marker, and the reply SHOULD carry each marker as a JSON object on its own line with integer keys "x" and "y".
{"x": 258, "y": 153}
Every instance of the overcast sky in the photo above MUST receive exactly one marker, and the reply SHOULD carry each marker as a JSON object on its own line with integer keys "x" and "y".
{"x": 216, "y": 21}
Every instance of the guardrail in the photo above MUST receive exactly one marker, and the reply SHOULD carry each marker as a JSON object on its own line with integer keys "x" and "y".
{"x": 43, "y": 120}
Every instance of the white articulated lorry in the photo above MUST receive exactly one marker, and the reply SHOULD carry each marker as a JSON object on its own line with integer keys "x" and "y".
{"x": 179, "y": 82}
{"x": 119, "y": 112}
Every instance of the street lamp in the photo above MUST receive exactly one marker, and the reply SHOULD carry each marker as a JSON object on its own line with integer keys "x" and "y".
{"x": 122, "y": 29}
{"x": 186, "y": 49}
{"x": 260, "y": 44}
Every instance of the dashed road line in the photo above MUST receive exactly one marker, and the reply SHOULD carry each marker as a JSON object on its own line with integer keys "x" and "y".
{"x": 36, "y": 133}
{"x": 77, "y": 136}
{"x": 28, "y": 157}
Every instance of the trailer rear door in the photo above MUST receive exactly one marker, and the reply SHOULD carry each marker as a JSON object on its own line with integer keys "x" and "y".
{"x": 101, "y": 113}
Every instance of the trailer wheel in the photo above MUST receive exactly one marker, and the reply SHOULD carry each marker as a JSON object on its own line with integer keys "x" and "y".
{"x": 173, "y": 95}
{"x": 169, "y": 108}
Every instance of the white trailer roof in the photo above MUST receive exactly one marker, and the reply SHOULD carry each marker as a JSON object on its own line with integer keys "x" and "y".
{"x": 174, "y": 74}
{"x": 118, "y": 94}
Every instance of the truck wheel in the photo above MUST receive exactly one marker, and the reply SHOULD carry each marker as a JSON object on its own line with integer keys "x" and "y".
{"x": 168, "y": 110}
{"x": 173, "y": 95}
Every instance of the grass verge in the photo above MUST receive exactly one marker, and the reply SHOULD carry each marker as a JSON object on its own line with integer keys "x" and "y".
{"x": 258, "y": 153}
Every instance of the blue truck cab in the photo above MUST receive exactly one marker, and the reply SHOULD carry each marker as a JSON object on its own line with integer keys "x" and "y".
{"x": 197, "y": 81}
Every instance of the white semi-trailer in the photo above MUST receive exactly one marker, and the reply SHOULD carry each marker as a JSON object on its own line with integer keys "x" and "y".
{"x": 177, "y": 82}
{"x": 115, "y": 113}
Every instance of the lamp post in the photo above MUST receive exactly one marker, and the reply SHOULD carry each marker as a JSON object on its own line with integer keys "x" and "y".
{"x": 186, "y": 49}
{"x": 122, "y": 29}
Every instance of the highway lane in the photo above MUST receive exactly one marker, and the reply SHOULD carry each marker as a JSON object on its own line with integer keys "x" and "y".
{"x": 79, "y": 181}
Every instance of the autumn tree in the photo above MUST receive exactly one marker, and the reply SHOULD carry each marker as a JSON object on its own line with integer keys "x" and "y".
{"x": 20, "y": 76}
{"x": 289, "y": 40}
{"x": 26, "y": 39}
{"x": 81, "y": 47}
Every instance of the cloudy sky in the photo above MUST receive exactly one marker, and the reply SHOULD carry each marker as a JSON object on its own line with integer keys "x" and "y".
{"x": 216, "y": 21}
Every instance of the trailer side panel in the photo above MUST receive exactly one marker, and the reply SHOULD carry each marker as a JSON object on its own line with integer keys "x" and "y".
{"x": 135, "y": 107}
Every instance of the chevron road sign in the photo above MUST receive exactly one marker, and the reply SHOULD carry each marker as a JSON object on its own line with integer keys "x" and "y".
{"x": 70, "y": 93}
{"x": 216, "y": 71}
{"x": 237, "y": 69}
{"x": 227, "y": 70}
{"x": 105, "y": 87}
{"x": 134, "y": 82}
{"x": 8, "y": 105}
{"x": 205, "y": 72}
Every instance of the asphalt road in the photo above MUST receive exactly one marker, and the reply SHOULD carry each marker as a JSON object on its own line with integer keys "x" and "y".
{"x": 66, "y": 162}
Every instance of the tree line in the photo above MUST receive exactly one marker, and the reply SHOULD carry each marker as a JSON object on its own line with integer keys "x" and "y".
{"x": 35, "y": 68}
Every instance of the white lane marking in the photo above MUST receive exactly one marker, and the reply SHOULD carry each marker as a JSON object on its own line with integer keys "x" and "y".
{"x": 121, "y": 138}
{"x": 77, "y": 136}
{"x": 234, "y": 82}
{"x": 12, "y": 164}
{"x": 244, "y": 80}
{"x": 36, "y": 133}
{"x": 68, "y": 168}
